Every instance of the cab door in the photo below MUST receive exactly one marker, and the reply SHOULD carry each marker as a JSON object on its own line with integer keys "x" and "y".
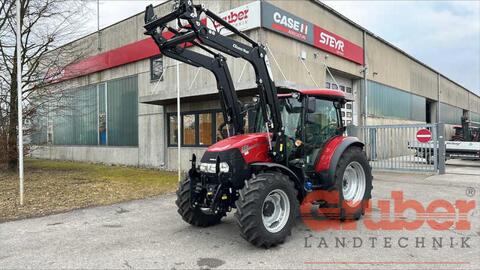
{"x": 322, "y": 122}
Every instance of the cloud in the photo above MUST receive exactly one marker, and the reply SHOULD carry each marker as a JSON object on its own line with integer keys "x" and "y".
{"x": 112, "y": 11}
{"x": 444, "y": 35}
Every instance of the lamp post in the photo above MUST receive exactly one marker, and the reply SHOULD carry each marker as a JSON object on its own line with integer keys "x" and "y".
{"x": 19, "y": 102}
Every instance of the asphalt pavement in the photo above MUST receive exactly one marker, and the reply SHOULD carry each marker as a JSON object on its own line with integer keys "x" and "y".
{"x": 150, "y": 234}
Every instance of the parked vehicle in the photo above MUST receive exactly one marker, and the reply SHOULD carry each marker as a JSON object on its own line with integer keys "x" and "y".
{"x": 298, "y": 144}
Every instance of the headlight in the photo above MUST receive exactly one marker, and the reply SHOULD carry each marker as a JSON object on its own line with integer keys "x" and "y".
{"x": 211, "y": 167}
{"x": 203, "y": 167}
{"x": 224, "y": 167}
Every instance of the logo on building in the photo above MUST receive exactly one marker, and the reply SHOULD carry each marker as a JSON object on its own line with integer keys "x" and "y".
{"x": 293, "y": 26}
{"x": 290, "y": 25}
{"x": 332, "y": 42}
{"x": 235, "y": 17}
{"x": 243, "y": 18}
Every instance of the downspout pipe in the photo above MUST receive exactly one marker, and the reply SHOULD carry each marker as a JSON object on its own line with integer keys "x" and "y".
{"x": 365, "y": 70}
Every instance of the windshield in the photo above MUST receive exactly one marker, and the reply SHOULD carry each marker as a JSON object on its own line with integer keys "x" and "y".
{"x": 291, "y": 110}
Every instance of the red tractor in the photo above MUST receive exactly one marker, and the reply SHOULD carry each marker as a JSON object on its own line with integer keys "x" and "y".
{"x": 297, "y": 146}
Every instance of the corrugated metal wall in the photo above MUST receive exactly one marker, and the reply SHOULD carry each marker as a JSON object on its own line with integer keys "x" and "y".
{"x": 122, "y": 111}
{"x": 75, "y": 121}
{"x": 389, "y": 102}
{"x": 39, "y": 125}
{"x": 86, "y": 115}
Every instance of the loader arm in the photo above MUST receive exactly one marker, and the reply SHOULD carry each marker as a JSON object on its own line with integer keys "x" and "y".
{"x": 217, "y": 64}
{"x": 199, "y": 34}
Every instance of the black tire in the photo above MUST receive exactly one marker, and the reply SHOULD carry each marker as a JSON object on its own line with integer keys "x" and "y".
{"x": 347, "y": 211}
{"x": 250, "y": 208}
{"x": 193, "y": 216}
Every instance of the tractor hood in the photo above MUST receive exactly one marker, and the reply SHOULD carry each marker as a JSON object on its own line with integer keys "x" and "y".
{"x": 253, "y": 147}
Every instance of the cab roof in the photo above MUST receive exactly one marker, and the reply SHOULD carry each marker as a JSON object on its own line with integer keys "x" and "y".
{"x": 319, "y": 92}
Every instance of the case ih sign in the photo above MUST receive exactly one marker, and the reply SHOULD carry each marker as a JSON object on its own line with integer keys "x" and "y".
{"x": 286, "y": 23}
{"x": 290, "y": 25}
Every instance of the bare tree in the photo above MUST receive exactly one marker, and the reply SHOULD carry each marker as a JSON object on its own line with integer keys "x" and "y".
{"x": 47, "y": 25}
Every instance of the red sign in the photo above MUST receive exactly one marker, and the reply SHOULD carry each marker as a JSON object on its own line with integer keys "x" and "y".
{"x": 424, "y": 135}
{"x": 337, "y": 45}
{"x": 289, "y": 24}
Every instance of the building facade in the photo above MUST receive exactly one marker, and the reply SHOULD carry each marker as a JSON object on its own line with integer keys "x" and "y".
{"x": 122, "y": 106}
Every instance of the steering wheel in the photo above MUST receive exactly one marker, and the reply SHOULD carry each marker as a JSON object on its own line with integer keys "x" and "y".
{"x": 326, "y": 129}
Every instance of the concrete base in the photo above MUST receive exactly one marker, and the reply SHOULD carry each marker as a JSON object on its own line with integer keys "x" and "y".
{"x": 108, "y": 155}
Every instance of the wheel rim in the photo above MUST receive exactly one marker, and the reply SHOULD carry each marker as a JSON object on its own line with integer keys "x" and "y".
{"x": 275, "y": 210}
{"x": 353, "y": 184}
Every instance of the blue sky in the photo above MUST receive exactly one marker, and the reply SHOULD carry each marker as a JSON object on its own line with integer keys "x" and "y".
{"x": 443, "y": 34}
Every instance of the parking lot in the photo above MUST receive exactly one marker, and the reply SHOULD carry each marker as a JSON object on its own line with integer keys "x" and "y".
{"x": 150, "y": 234}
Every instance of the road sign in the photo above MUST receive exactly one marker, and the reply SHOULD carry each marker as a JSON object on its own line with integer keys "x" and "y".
{"x": 424, "y": 135}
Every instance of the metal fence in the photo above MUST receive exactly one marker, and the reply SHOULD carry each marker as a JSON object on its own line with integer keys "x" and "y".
{"x": 399, "y": 147}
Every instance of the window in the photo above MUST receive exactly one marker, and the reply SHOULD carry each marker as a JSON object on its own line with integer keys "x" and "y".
{"x": 389, "y": 102}
{"x": 349, "y": 90}
{"x": 50, "y": 132}
{"x": 349, "y": 106}
{"x": 450, "y": 114}
{"x": 342, "y": 88}
{"x": 199, "y": 129}
{"x": 327, "y": 85}
{"x": 218, "y": 122}
{"x": 172, "y": 129}
{"x": 319, "y": 126}
{"x": 334, "y": 86}
{"x": 122, "y": 112}
{"x": 75, "y": 119}
{"x": 205, "y": 125}
{"x": 98, "y": 114}
{"x": 102, "y": 115}
{"x": 156, "y": 68}
{"x": 189, "y": 134}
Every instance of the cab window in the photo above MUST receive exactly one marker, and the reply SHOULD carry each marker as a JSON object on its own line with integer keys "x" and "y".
{"x": 320, "y": 125}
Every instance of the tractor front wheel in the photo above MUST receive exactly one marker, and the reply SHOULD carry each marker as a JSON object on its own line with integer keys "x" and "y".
{"x": 266, "y": 209}
{"x": 194, "y": 216}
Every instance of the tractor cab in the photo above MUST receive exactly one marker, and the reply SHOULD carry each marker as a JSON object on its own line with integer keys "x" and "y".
{"x": 311, "y": 118}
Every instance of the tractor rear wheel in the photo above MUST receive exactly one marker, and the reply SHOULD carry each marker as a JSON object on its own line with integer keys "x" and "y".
{"x": 353, "y": 183}
{"x": 266, "y": 209}
{"x": 193, "y": 216}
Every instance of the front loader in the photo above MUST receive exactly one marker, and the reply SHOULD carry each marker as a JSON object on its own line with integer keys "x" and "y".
{"x": 297, "y": 145}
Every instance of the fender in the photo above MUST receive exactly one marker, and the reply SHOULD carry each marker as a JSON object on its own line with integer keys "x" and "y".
{"x": 330, "y": 156}
{"x": 296, "y": 180}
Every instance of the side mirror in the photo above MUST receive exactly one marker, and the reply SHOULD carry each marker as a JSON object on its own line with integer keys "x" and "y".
{"x": 149, "y": 14}
{"x": 311, "y": 104}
